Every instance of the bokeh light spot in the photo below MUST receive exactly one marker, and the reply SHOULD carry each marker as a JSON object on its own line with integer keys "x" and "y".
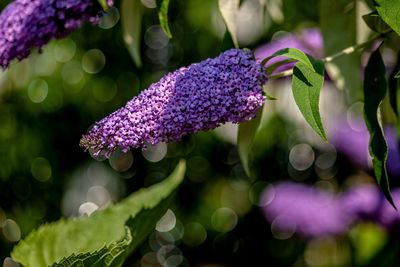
{"x": 11, "y": 231}
{"x": 168, "y": 255}
{"x": 64, "y": 50}
{"x": 87, "y": 208}
{"x": 38, "y": 90}
{"x": 121, "y": 161}
{"x": 155, "y": 37}
{"x": 224, "y": 219}
{"x": 72, "y": 72}
{"x": 283, "y": 228}
{"x": 110, "y": 18}
{"x": 195, "y": 234}
{"x": 93, "y": 61}
{"x": 301, "y": 157}
{"x": 167, "y": 222}
{"x": 104, "y": 89}
{"x": 149, "y": 260}
{"x": 98, "y": 195}
{"x": 41, "y": 169}
{"x": 155, "y": 153}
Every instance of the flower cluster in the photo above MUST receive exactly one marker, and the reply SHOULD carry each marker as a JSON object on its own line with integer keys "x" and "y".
{"x": 314, "y": 212}
{"x": 25, "y": 24}
{"x": 201, "y": 96}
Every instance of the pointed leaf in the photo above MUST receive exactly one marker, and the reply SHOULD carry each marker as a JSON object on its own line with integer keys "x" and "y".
{"x": 293, "y": 54}
{"x": 306, "y": 86}
{"x": 162, "y": 6}
{"x": 247, "y": 132}
{"x": 131, "y": 16}
{"x": 394, "y": 86}
{"x": 229, "y": 10}
{"x": 375, "y": 87}
{"x": 375, "y": 22}
{"x": 389, "y": 11}
{"x": 106, "y": 237}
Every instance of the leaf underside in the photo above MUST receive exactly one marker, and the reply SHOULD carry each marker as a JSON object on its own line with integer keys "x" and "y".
{"x": 106, "y": 237}
{"x": 375, "y": 87}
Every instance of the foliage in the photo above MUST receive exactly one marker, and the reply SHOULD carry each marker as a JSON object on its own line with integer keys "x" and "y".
{"x": 50, "y": 99}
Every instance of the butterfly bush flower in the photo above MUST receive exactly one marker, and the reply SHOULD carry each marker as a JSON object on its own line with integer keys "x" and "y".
{"x": 307, "y": 210}
{"x": 25, "y": 24}
{"x": 201, "y": 96}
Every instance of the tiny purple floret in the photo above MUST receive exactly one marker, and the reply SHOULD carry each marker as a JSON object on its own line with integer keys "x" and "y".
{"x": 25, "y": 24}
{"x": 202, "y": 96}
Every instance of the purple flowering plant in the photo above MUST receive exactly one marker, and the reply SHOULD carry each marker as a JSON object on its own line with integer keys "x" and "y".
{"x": 231, "y": 88}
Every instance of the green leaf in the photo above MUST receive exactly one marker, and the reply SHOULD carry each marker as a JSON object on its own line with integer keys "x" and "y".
{"x": 375, "y": 22}
{"x": 274, "y": 66}
{"x": 375, "y": 87}
{"x": 394, "y": 86}
{"x": 162, "y": 6}
{"x": 229, "y": 10}
{"x": 389, "y": 11}
{"x": 306, "y": 86}
{"x": 338, "y": 21}
{"x": 106, "y": 237}
{"x": 131, "y": 16}
{"x": 247, "y": 132}
{"x": 293, "y": 54}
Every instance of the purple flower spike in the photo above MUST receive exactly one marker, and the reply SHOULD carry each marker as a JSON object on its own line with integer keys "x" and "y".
{"x": 201, "y": 96}
{"x": 308, "y": 40}
{"x": 307, "y": 210}
{"x": 25, "y": 24}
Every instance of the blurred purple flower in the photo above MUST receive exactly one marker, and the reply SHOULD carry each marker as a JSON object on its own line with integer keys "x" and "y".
{"x": 353, "y": 142}
{"x": 366, "y": 202}
{"x": 25, "y": 24}
{"x": 313, "y": 212}
{"x": 201, "y": 96}
{"x": 308, "y": 40}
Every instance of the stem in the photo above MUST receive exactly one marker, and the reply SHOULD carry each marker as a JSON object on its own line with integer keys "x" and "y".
{"x": 280, "y": 74}
{"x": 350, "y": 49}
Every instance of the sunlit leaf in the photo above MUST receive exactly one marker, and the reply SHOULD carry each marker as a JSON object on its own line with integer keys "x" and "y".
{"x": 106, "y": 237}
{"x": 339, "y": 30}
{"x": 162, "y": 6}
{"x": 375, "y": 87}
{"x": 293, "y": 54}
{"x": 306, "y": 86}
{"x": 131, "y": 16}
{"x": 229, "y": 10}
{"x": 246, "y": 134}
{"x": 389, "y": 11}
